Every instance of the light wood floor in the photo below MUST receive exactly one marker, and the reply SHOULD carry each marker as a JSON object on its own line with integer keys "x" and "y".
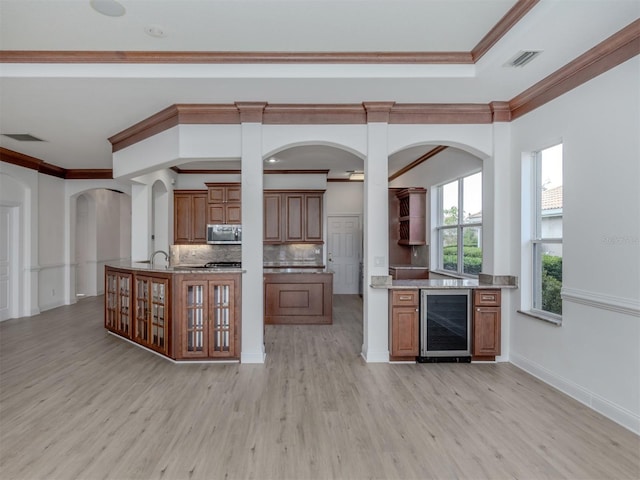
{"x": 79, "y": 403}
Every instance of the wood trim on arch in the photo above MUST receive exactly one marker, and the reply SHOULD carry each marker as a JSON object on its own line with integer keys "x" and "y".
{"x": 423, "y": 158}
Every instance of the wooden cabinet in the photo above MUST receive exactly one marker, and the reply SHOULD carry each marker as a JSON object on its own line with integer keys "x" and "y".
{"x": 209, "y": 310}
{"x": 408, "y": 273}
{"x": 189, "y": 216}
{"x": 403, "y": 325}
{"x": 411, "y": 216}
{"x": 486, "y": 324}
{"x": 298, "y": 298}
{"x": 151, "y": 327}
{"x": 118, "y": 310}
{"x": 293, "y": 216}
{"x": 272, "y": 218}
{"x": 224, "y": 203}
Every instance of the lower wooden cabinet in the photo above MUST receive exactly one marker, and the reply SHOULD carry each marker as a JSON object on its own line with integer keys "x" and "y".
{"x": 298, "y": 298}
{"x": 182, "y": 316}
{"x": 486, "y": 324}
{"x": 117, "y": 299}
{"x": 404, "y": 324}
{"x": 151, "y": 327}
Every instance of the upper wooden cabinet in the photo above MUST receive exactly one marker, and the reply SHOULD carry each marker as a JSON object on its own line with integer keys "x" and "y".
{"x": 293, "y": 216}
{"x": 189, "y": 216}
{"x": 224, "y": 203}
{"x": 411, "y": 216}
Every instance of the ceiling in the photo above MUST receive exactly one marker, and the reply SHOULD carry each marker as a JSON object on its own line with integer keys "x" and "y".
{"x": 76, "y": 107}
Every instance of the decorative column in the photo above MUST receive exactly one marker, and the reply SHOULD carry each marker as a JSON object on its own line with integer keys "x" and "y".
{"x": 252, "y": 350}
{"x": 140, "y": 221}
{"x": 375, "y": 347}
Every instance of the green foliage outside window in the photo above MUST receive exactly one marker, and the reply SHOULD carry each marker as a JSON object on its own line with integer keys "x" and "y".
{"x": 551, "y": 283}
{"x": 472, "y": 259}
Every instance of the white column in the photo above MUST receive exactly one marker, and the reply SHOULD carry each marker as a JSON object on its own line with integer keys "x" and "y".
{"x": 140, "y": 222}
{"x": 252, "y": 349}
{"x": 375, "y": 347}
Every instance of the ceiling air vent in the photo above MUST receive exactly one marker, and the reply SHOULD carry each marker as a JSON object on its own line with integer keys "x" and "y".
{"x": 23, "y": 137}
{"x": 521, "y": 58}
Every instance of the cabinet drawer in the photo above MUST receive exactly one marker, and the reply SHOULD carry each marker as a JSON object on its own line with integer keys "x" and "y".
{"x": 486, "y": 298}
{"x": 404, "y": 297}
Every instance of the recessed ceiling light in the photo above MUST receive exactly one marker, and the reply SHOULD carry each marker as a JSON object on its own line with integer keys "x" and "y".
{"x": 272, "y": 160}
{"x": 155, "y": 31}
{"x": 110, "y": 8}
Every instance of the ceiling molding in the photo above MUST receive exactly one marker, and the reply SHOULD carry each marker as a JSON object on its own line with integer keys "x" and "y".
{"x": 378, "y": 111}
{"x": 439, "y": 113}
{"x": 513, "y": 16}
{"x": 40, "y": 166}
{"x": 343, "y": 180}
{"x": 315, "y": 114}
{"x": 159, "y": 122}
{"x": 423, "y": 158}
{"x": 608, "y": 54}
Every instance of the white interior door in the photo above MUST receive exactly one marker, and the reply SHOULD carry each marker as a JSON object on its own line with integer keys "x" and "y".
{"x": 343, "y": 252}
{"x": 6, "y": 232}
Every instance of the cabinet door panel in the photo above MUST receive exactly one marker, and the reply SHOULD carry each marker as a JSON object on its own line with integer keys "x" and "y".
{"x": 216, "y": 214}
{"x": 404, "y": 332}
{"x": 216, "y": 194}
{"x": 294, "y": 219}
{"x": 272, "y": 231}
{"x": 182, "y": 218}
{"x": 199, "y": 222}
{"x": 194, "y": 331}
{"x": 313, "y": 218}
{"x": 486, "y": 331}
{"x": 233, "y": 194}
{"x": 233, "y": 214}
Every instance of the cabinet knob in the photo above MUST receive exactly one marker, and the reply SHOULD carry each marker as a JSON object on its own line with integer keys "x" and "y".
{"x": 477, "y": 309}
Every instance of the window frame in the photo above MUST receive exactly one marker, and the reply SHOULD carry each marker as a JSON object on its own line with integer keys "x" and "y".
{"x": 537, "y": 240}
{"x": 459, "y": 227}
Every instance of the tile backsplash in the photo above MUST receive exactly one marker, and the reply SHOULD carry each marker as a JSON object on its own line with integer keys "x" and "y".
{"x": 290, "y": 254}
{"x": 201, "y": 254}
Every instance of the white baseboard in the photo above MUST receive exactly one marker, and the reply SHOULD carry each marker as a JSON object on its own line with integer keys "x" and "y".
{"x": 376, "y": 357}
{"x": 592, "y": 400}
{"x": 252, "y": 357}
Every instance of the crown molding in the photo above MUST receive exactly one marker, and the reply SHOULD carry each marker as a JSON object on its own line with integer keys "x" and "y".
{"x": 610, "y": 53}
{"x": 513, "y": 16}
{"x": 423, "y": 158}
{"x": 314, "y": 114}
{"x": 40, "y": 166}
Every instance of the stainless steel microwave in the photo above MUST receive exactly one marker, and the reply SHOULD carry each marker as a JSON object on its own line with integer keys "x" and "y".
{"x": 224, "y": 234}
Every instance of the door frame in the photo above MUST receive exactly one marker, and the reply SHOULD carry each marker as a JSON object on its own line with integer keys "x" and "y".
{"x": 14, "y": 286}
{"x": 361, "y": 238}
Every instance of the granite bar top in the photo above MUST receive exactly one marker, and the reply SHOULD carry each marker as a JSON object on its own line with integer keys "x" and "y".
{"x": 408, "y": 267}
{"x": 297, "y": 270}
{"x": 483, "y": 282}
{"x": 162, "y": 267}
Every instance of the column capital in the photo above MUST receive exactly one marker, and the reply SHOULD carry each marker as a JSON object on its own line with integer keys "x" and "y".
{"x": 378, "y": 111}
{"x": 500, "y": 111}
{"x": 251, "y": 112}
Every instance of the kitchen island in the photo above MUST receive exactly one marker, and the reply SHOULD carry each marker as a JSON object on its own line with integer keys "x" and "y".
{"x": 180, "y": 312}
{"x": 298, "y": 295}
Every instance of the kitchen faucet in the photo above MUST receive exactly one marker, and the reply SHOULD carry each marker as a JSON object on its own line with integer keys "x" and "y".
{"x": 166, "y": 256}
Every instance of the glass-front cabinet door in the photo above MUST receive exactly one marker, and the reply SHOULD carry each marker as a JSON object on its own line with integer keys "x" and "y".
{"x": 123, "y": 318}
{"x": 222, "y": 315}
{"x": 159, "y": 309}
{"x": 142, "y": 309}
{"x": 194, "y": 341}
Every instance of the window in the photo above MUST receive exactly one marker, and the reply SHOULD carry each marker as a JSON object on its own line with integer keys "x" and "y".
{"x": 547, "y": 232}
{"x": 459, "y": 225}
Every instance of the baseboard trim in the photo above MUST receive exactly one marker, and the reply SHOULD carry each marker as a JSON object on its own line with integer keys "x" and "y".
{"x": 258, "y": 357}
{"x": 614, "y": 412}
{"x": 376, "y": 357}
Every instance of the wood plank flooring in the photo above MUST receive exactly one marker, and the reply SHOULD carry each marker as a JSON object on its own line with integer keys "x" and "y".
{"x": 78, "y": 403}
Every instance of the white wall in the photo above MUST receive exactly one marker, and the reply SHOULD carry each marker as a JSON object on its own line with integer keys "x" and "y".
{"x": 595, "y": 354}
{"x": 344, "y": 197}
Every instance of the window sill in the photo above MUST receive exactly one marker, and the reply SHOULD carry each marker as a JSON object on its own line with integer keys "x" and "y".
{"x": 541, "y": 316}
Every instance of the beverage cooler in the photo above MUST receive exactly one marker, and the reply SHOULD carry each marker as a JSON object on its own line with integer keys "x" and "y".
{"x": 445, "y": 325}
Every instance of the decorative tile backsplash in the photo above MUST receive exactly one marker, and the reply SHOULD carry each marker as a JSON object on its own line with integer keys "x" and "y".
{"x": 293, "y": 254}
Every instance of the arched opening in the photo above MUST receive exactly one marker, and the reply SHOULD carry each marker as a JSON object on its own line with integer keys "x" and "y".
{"x": 101, "y": 230}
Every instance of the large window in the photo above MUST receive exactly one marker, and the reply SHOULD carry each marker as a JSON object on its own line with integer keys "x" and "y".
{"x": 547, "y": 238}
{"x": 460, "y": 225}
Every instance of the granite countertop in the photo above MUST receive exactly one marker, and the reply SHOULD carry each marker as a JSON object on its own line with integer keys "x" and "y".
{"x": 297, "y": 270}
{"x": 162, "y": 267}
{"x": 483, "y": 281}
{"x": 408, "y": 267}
